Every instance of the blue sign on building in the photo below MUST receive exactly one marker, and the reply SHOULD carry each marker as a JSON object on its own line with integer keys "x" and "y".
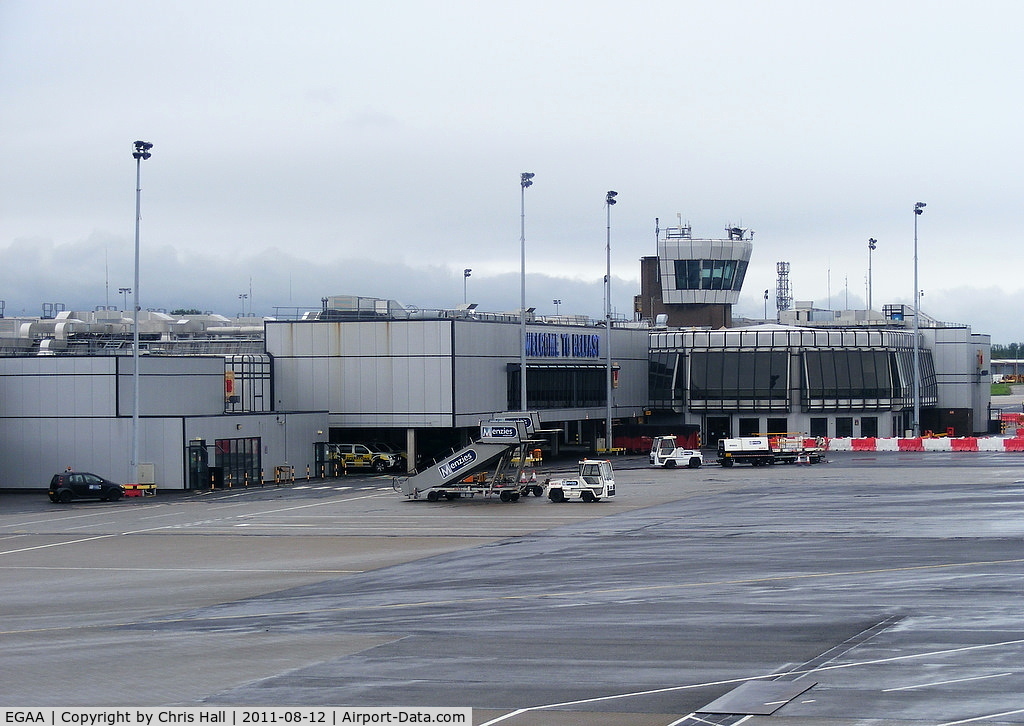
{"x": 563, "y": 345}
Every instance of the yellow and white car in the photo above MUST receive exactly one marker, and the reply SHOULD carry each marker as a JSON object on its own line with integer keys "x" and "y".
{"x": 362, "y": 456}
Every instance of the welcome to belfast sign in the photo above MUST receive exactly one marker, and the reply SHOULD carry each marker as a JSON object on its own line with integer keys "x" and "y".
{"x": 563, "y": 345}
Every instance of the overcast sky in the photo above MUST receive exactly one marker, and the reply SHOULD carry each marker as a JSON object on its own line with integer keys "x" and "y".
{"x": 314, "y": 148}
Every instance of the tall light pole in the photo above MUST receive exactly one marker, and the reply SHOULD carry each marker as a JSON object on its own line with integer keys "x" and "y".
{"x": 525, "y": 180}
{"x": 609, "y": 200}
{"x": 556, "y": 303}
{"x": 243, "y": 297}
{"x": 465, "y": 279}
{"x": 124, "y": 296}
{"x": 918, "y": 211}
{"x": 871, "y": 248}
{"x": 142, "y": 151}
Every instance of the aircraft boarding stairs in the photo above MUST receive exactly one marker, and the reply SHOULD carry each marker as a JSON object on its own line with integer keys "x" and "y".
{"x": 455, "y": 475}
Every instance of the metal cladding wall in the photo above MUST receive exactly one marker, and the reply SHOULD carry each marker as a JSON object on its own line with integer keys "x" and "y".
{"x": 480, "y": 373}
{"x": 365, "y": 373}
{"x": 60, "y": 411}
{"x": 35, "y": 448}
{"x": 433, "y": 373}
{"x": 962, "y": 363}
{"x": 58, "y": 386}
{"x": 83, "y": 386}
{"x": 173, "y": 385}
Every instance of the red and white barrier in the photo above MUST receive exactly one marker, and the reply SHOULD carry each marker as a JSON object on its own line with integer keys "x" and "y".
{"x": 945, "y": 443}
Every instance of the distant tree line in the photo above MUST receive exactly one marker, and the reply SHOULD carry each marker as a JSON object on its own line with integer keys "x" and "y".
{"x": 184, "y": 311}
{"x": 1013, "y": 350}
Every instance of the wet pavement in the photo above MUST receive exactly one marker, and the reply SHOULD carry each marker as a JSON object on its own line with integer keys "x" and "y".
{"x": 876, "y": 589}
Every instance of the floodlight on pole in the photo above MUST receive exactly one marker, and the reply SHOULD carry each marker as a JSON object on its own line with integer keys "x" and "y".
{"x": 525, "y": 180}
{"x": 918, "y": 211}
{"x": 465, "y": 279}
{"x": 141, "y": 151}
{"x": 609, "y": 200}
{"x": 872, "y": 243}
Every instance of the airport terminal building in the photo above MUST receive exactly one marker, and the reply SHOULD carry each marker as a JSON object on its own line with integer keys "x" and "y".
{"x": 219, "y": 406}
{"x": 822, "y": 381}
{"x": 232, "y": 402}
{"x": 424, "y": 380}
{"x": 828, "y": 373}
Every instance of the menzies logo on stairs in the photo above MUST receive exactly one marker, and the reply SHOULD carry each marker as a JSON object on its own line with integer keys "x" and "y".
{"x": 459, "y": 462}
{"x": 499, "y": 432}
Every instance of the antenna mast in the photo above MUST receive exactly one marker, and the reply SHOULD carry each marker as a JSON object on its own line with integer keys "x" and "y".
{"x": 783, "y": 290}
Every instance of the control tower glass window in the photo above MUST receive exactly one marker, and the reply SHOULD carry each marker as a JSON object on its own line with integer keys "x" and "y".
{"x": 710, "y": 274}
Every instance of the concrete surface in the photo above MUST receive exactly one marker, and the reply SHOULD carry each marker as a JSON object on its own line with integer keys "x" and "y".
{"x": 892, "y": 582}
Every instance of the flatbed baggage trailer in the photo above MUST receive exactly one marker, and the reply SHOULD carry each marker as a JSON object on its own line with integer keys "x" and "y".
{"x": 773, "y": 449}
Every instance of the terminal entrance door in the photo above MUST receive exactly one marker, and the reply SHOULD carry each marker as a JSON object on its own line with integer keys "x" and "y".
{"x": 750, "y": 426}
{"x": 717, "y": 428}
{"x": 236, "y": 463}
{"x": 198, "y": 465}
{"x": 239, "y": 461}
{"x": 777, "y": 426}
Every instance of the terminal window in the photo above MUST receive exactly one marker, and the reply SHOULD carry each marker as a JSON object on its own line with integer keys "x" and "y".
{"x": 666, "y": 385}
{"x": 759, "y": 377}
{"x": 859, "y": 378}
{"x": 848, "y": 374}
{"x": 558, "y": 386}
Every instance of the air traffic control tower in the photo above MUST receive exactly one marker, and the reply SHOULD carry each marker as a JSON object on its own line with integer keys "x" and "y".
{"x": 694, "y": 282}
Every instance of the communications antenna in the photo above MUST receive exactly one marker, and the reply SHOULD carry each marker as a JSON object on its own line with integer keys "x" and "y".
{"x": 783, "y": 290}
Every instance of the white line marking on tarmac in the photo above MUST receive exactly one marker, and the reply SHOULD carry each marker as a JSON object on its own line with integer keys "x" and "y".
{"x": 255, "y": 515}
{"x": 943, "y": 683}
{"x": 769, "y": 676}
{"x": 690, "y": 717}
{"x": 50, "y": 520}
{"x": 275, "y": 524}
{"x": 178, "y": 569}
{"x": 319, "y": 504}
{"x": 153, "y": 529}
{"x": 58, "y": 544}
{"x": 983, "y": 718}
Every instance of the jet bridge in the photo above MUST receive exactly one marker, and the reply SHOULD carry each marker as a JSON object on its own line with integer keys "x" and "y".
{"x": 483, "y": 467}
